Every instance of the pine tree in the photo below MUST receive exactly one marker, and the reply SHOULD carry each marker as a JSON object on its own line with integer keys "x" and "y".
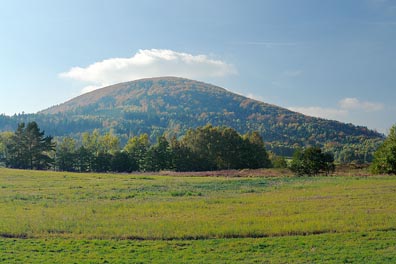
{"x": 30, "y": 148}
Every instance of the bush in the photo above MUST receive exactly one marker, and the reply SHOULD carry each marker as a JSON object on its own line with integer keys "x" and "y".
{"x": 312, "y": 161}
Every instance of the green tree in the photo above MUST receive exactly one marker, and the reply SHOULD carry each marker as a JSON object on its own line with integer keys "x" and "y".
{"x": 101, "y": 150}
{"x": 255, "y": 155}
{"x": 204, "y": 143}
{"x": 5, "y": 139}
{"x": 66, "y": 155}
{"x": 183, "y": 159}
{"x": 91, "y": 142}
{"x": 85, "y": 159}
{"x": 277, "y": 161}
{"x": 101, "y": 162}
{"x": 109, "y": 143}
{"x": 385, "y": 156}
{"x": 30, "y": 148}
{"x": 312, "y": 161}
{"x": 137, "y": 148}
{"x": 229, "y": 151}
{"x": 17, "y": 156}
{"x": 121, "y": 162}
{"x": 159, "y": 156}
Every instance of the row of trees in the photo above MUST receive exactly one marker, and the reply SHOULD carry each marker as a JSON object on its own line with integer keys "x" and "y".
{"x": 204, "y": 148}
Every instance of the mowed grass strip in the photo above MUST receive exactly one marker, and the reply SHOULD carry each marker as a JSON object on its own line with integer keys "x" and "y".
{"x": 35, "y": 204}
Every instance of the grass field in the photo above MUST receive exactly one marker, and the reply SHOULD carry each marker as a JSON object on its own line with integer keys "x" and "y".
{"x": 125, "y": 218}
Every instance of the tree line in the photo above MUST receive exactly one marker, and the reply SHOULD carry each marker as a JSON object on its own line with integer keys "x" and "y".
{"x": 203, "y": 148}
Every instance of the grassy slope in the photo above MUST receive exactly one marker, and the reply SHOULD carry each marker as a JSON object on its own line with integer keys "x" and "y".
{"x": 61, "y": 216}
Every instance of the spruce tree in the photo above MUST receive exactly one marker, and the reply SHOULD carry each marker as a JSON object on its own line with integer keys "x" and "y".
{"x": 30, "y": 148}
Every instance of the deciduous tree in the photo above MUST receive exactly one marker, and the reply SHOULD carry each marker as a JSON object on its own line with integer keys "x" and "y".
{"x": 385, "y": 156}
{"x": 312, "y": 161}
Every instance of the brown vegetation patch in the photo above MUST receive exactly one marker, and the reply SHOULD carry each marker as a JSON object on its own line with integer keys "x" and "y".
{"x": 232, "y": 173}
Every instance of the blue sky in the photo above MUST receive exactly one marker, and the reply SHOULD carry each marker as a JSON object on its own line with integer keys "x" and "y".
{"x": 332, "y": 58}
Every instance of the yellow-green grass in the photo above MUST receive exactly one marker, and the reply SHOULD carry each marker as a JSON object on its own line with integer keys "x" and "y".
{"x": 122, "y": 206}
{"x": 132, "y": 218}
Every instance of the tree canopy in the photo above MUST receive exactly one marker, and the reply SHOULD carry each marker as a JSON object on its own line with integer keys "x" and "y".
{"x": 29, "y": 148}
{"x": 312, "y": 161}
{"x": 385, "y": 156}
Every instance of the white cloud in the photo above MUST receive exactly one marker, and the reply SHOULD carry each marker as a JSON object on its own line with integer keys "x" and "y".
{"x": 149, "y": 63}
{"x": 255, "y": 97}
{"x": 356, "y": 104}
{"x": 346, "y": 107}
{"x": 317, "y": 111}
{"x": 90, "y": 88}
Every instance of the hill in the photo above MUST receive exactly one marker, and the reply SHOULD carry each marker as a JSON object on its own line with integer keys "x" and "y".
{"x": 173, "y": 105}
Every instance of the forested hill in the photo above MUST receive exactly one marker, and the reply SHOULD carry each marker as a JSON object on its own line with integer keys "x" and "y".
{"x": 173, "y": 105}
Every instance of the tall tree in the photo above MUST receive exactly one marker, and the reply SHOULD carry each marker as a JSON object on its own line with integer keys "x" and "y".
{"x": 17, "y": 149}
{"x": 5, "y": 139}
{"x": 66, "y": 155}
{"x": 204, "y": 142}
{"x": 137, "y": 148}
{"x": 183, "y": 158}
{"x": 385, "y": 156}
{"x": 85, "y": 159}
{"x": 30, "y": 148}
{"x": 254, "y": 153}
{"x": 230, "y": 147}
{"x": 121, "y": 162}
{"x": 159, "y": 156}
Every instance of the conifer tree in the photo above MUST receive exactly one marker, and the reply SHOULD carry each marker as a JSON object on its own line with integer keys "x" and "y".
{"x": 30, "y": 148}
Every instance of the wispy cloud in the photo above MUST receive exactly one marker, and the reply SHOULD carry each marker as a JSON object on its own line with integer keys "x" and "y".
{"x": 346, "y": 106}
{"x": 356, "y": 104}
{"x": 255, "y": 97}
{"x": 317, "y": 111}
{"x": 149, "y": 63}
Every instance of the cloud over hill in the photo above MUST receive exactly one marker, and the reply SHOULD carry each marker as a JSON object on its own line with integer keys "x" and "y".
{"x": 149, "y": 63}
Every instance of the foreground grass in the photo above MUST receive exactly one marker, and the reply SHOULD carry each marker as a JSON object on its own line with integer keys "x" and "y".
{"x": 372, "y": 247}
{"x": 131, "y": 218}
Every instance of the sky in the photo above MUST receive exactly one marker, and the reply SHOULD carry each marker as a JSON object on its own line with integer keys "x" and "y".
{"x": 334, "y": 59}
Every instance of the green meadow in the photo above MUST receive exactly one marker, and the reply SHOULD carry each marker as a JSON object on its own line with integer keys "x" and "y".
{"x": 57, "y": 217}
